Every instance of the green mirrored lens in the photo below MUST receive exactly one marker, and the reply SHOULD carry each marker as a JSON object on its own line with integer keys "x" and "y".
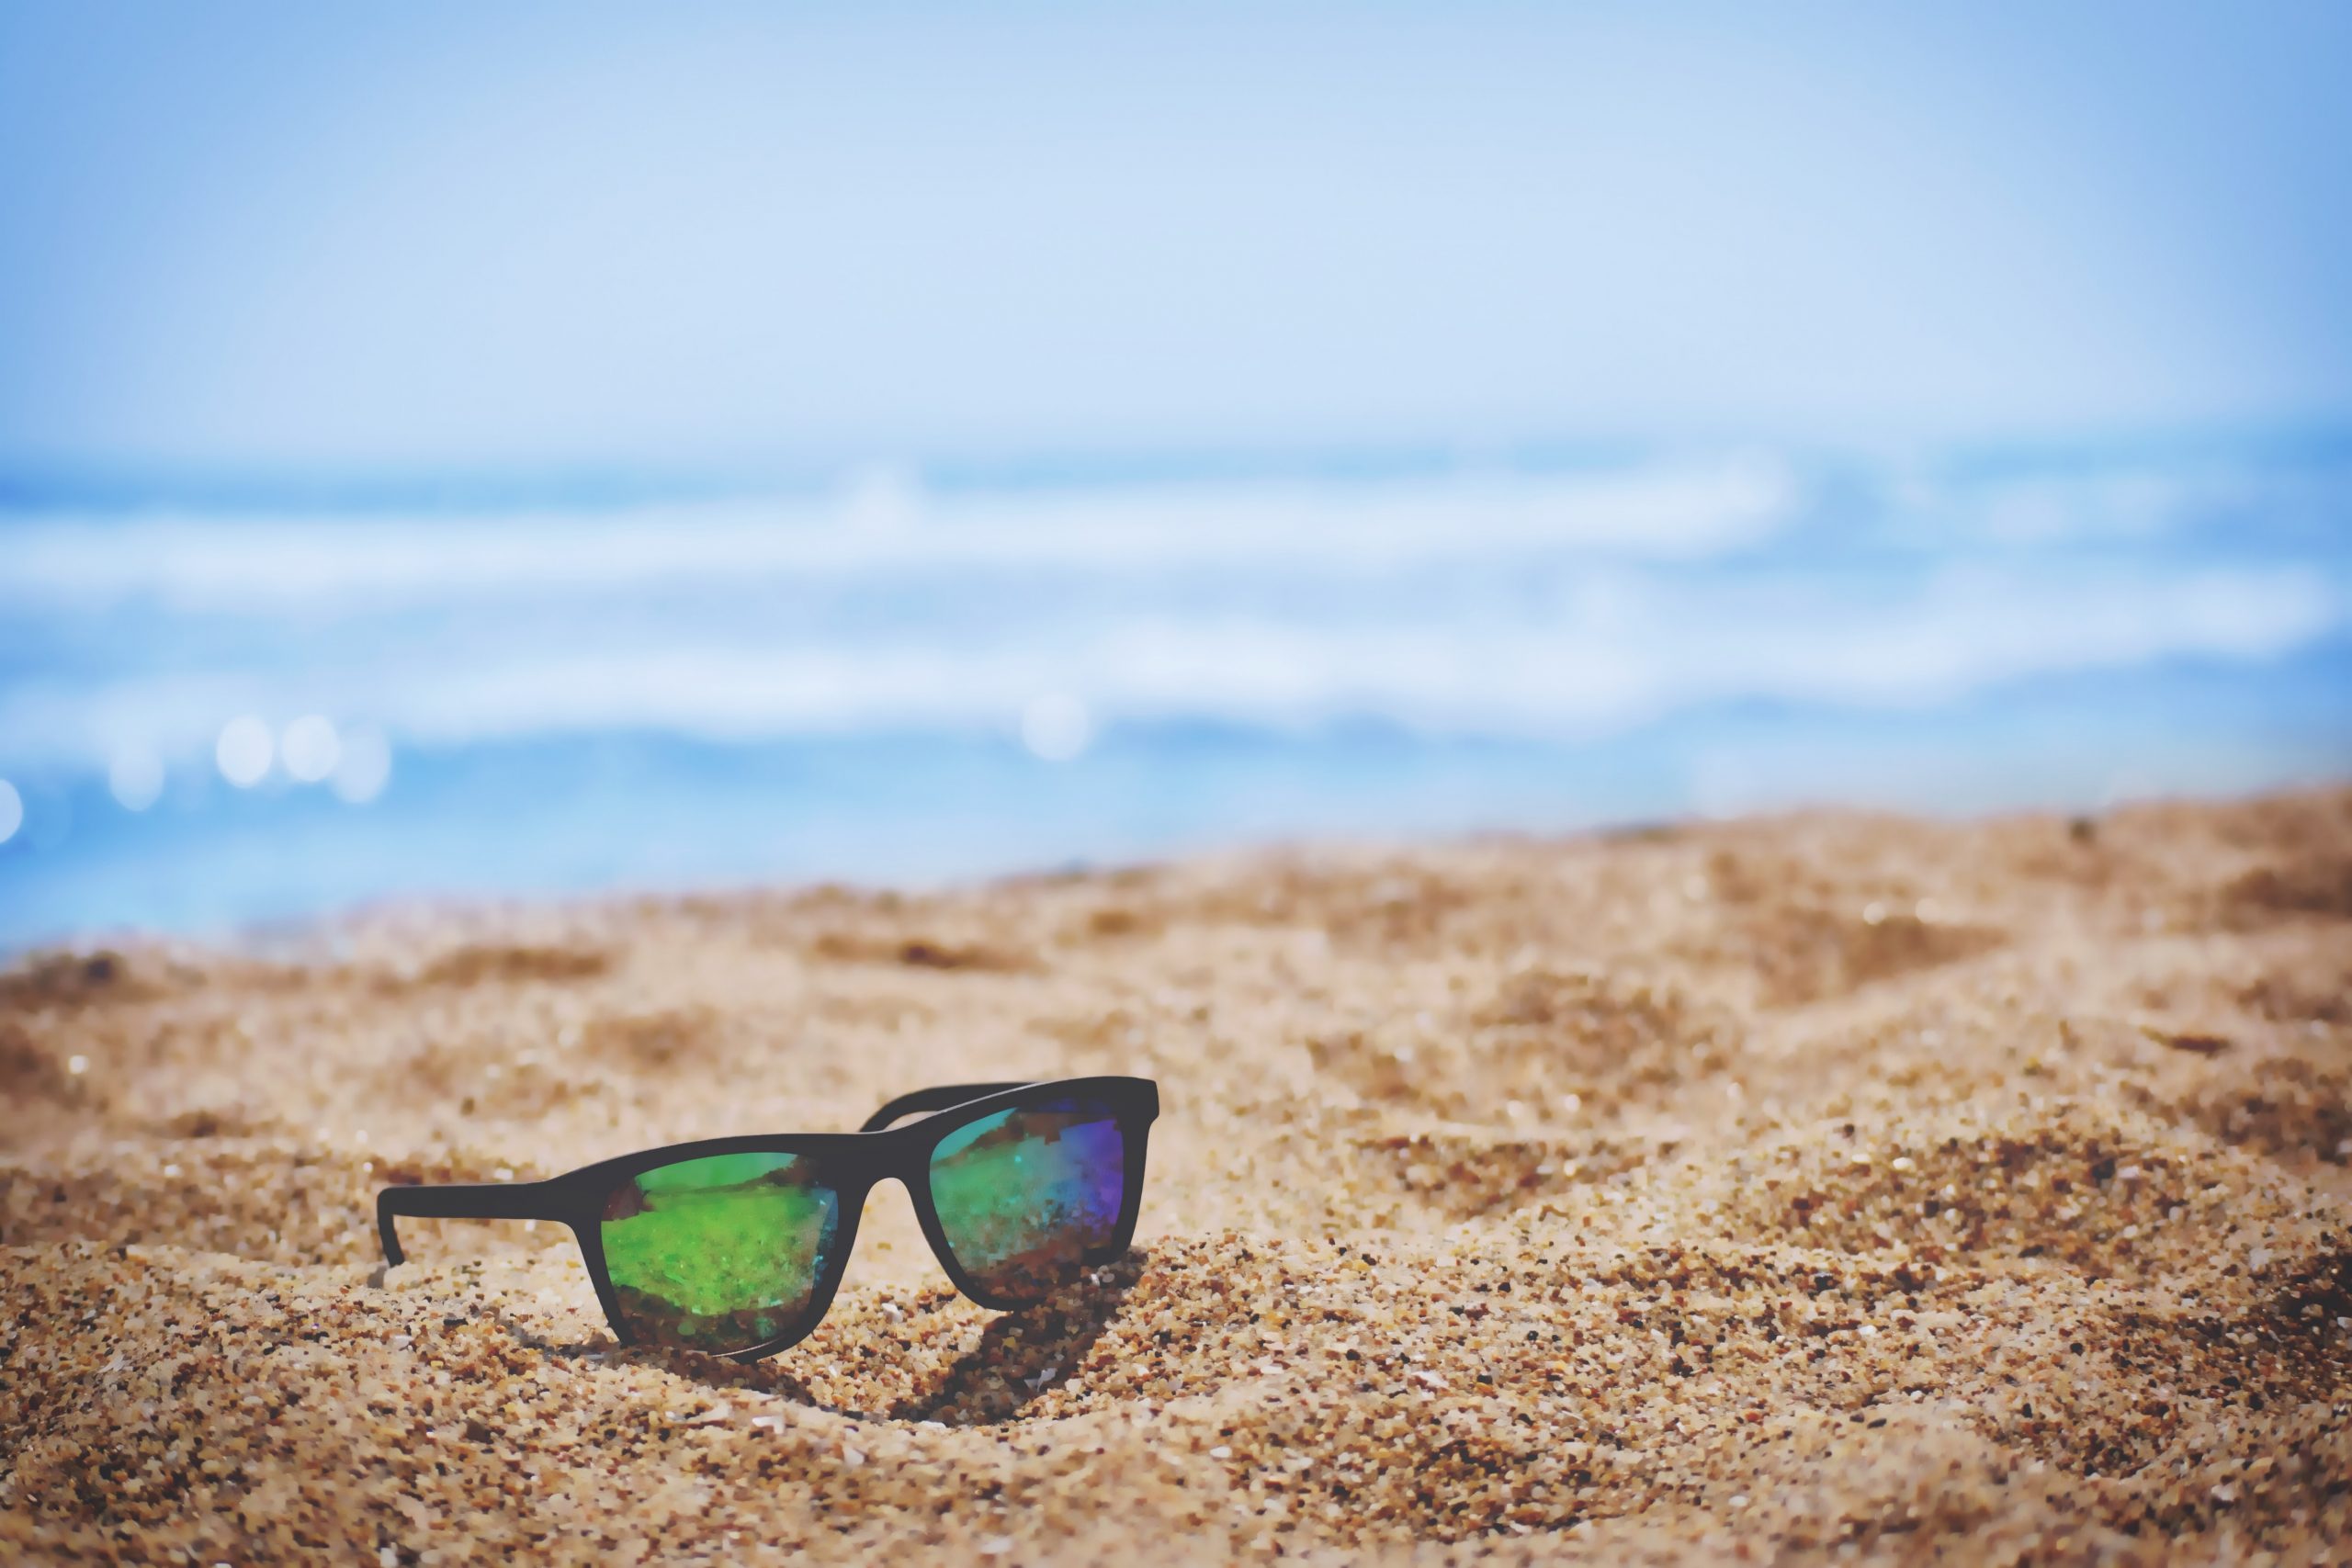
{"x": 721, "y": 1253}
{"x": 1024, "y": 1194}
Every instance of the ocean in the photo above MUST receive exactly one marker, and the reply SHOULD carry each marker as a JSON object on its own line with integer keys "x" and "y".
{"x": 230, "y": 704}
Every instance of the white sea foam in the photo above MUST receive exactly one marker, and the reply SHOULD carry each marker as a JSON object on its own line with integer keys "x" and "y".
{"x": 1667, "y": 646}
{"x": 1523, "y": 605}
{"x": 876, "y": 529}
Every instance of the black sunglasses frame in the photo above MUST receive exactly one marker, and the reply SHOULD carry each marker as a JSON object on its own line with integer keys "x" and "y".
{"x": 852, "y": 1164}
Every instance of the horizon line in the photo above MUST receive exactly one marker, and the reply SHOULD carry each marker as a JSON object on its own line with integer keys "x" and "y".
{"x": 29, "y": 485}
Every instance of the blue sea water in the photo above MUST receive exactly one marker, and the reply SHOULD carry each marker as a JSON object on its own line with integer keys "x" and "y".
{"x": 231, "y": 704}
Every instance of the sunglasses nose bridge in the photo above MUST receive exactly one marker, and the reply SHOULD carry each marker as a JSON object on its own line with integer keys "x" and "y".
{"x": 894, "y": 1230}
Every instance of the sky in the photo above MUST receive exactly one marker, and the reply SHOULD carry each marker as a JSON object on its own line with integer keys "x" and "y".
{"x": 439, "y": 237}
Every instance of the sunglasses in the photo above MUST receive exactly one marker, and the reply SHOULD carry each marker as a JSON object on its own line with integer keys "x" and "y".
{"x": 735, "y": 1245}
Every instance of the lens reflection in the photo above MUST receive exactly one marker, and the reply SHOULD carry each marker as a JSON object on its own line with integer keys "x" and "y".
{"x": 1024, "y": 1194}
{"x": 721, "y": 1253}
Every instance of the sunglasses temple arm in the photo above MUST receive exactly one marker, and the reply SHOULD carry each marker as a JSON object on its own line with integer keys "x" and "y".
{"x": 476, "y": 1201}
{"x": 938, "y": 1099}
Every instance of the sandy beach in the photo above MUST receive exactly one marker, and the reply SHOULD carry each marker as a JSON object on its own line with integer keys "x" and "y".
{"x": 1823, "y": 1188}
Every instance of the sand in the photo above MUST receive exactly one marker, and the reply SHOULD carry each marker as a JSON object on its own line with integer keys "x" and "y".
{"x": 1828, "y": 1188}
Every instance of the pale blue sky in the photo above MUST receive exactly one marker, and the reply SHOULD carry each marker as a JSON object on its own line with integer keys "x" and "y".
{"x": 424, "y": 237}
